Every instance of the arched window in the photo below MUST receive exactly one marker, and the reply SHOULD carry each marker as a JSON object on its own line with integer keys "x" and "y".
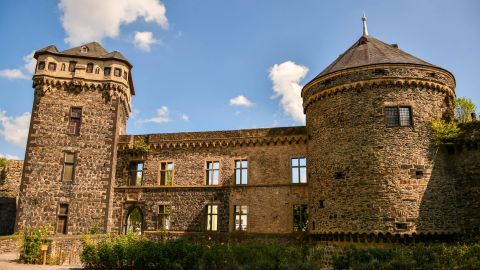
{"x": 134, "y": 221}
{"x": 97, "y": 70}
{"x": 62, "y": 68}
{"x": 89, "y": 67}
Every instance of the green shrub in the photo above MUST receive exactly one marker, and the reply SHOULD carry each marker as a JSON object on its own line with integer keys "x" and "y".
{"x": 3, "y": 162}
{"x": 32, "y": 240}
{"x": 445, "y": 133}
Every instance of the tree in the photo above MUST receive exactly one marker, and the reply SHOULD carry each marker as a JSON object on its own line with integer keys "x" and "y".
{"x": 3, "y": 162}
{"x": 463, "y": 110}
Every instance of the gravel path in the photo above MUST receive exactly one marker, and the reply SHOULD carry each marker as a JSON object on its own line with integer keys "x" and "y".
{"x": 8, "y": 262}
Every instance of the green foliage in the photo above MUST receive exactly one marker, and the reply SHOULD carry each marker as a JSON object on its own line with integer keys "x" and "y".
{"x": 445, "y": 132}
{"x": 32, "y": 240}
{"x": 418, "y": 256}
{"x": 464, "y": 107}
{"x": 129, "y": 252}
{"x": 3, "y": 162}
{"x": 140, "y": 147}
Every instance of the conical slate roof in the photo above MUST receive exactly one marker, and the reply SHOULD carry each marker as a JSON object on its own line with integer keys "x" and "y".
{"x": 369, "y": 51}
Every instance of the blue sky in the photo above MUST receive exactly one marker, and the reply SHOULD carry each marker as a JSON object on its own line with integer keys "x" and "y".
{"x": 193, "y": 59}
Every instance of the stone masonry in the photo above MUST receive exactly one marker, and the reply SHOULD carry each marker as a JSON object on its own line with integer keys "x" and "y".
{"x": 363, "y": 174}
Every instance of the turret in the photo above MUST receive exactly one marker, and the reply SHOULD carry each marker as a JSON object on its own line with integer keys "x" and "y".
{"x": 81, "y": 105}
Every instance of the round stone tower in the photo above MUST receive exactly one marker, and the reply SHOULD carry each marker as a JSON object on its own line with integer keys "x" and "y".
{"x": 372, "y": 164}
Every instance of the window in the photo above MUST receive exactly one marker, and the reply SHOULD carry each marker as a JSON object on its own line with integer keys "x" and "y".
{"x": 71, "y": 66}
{"x": 68, "y": 166}
{"x": 213, "y": 170}
{"x": 89, "y": 67}
{"x": 41, "y": 65}
{"x": 52, "y": 66}
{"x": 164, "y": 217}
{"x": 212, "y": 217}
{"x": 125, "y": 74}
{"x": 241, "y": 172}
{"x": 75, "y": 121}
{"x": 299, "y": 170}
{"x": 166, "y": 173}
{"x": 300, "y": 218}
{"x": 117, "y": 72}
{"x": 97, "y": 70}
{"x": 62, "y": 218}
{"x": 106, "y": 71}
{"x": 136, "y": 173}
{"x": 241, "y": 212}
{"x": 398, "y": 116}
{"x": 84, "y": 49}
{"x": 62, "y": 67}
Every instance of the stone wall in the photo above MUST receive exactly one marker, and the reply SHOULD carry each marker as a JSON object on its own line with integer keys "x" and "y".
{"x": 370, "y": 178}
{"x": 10, "y": 177}
{"x": 269, "y": 194}
{"x": 9, "y": 244}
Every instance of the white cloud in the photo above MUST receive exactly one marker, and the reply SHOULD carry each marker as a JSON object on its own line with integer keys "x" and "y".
{"x": 13, "y": 74}
{"x": 163, "y": 116}
{"x": 143, "y": 40}
{"x": 30, "y": 63}
{"x": 16, "y": 73}
{"x": 286, "y": 79}
{"x": 185, "y": 117}
{"x": 8, "y": 156}
{"x": 15, "y": 129}
{"x": 240, "y": 101}
{"x": 88, "y": 20}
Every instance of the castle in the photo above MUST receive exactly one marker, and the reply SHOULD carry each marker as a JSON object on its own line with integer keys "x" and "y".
{"x": 364, "y": 163}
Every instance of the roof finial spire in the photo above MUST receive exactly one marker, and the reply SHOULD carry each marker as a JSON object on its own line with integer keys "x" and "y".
{"x": 364, "y": 19}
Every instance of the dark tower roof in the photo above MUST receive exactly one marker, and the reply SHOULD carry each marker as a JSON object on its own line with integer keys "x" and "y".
{"x": 369, "y": 51}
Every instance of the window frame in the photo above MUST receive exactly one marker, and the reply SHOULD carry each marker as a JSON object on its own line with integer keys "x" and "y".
{"x": 296, "y": 228}
{"x": 164, "y": 171}
{"x": 60, "y": 216}
{"x": 72, "y": 65}
{"x": 107, "y": 71}
{"x": 211, "y": 215}
{"x": 164, "y": 218}
{"x": 41, "y": 65}
{"x": 207, "y": 171}
{"x": 398, "y": 120}
{"x": 72, "y": 118}
{"x": 119, "y": 70}
{"x": 89, "y": 68}
{"x": 241, "y": 215}
{"x": 132, "y": 174}
{"x": 298, "y": 169}
{"x": 53, "y": 65}
{"x": 241, "y": 168}
{"x": 72, "y": 163}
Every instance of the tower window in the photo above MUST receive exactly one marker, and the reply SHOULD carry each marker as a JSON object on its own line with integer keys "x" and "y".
{"x": 41, "y": 65}
{"x": 241, "y": 214}
{"x": 241, "y": 172}
{"x": 212, "y": 217}
{"x": 68, "y": 166}
{"x": 52, "y": 66}
{"x": 107, "y": 71}
{"x": 62, "y": 219}
{"x": 164, "y": 217}
{"x": 213, "y": 171}
{"x": 62, "y": 67}
{"x": 89, "y": 67}
{"x": 97, "y": 70}
{"x": 166, "y": 173}
{"x": 299, "y": 170}
{"x": 75, "y": 121}
{"x": 136, "y": 173}
{"x": 117, "y": 72}
{"x": 125, "y": 75}
{"x": 398, "y": 116}
{"x": 71, "y": 66}
{"x": 300, "y": 217}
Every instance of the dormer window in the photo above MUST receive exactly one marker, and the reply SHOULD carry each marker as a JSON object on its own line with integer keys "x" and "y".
{"x": 84, "y": 49}
{"x": 89, "y": 67}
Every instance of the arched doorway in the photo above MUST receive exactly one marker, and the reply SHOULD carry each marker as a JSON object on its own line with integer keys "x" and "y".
{"x": 134, "y": 221}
